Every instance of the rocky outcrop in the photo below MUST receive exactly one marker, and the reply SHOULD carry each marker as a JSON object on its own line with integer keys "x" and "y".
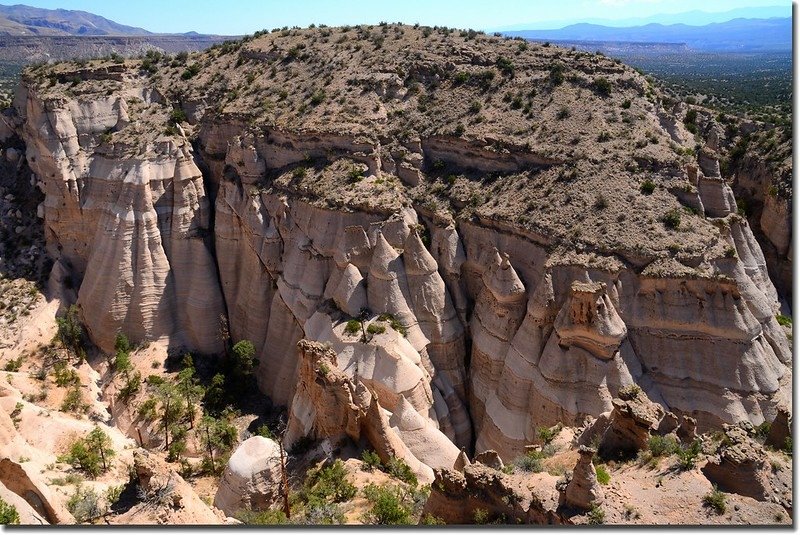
{"x": 740, "y": 466}
{"x": 252, "y": 479}
{"x": 330, "y": 404}
{"x": 780, "y": 431}
{"x": 630, "y": 424}
{"x": 456, "y": 497}
{"x": 582, "y": 490}
{"x": 167, "y": 498}
{"x": 30, "y": 487}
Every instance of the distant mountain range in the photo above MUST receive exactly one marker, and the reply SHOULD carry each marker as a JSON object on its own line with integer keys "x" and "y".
{"x": 739, "y": 35}
{"x": 22, "y": 20}
{"x": 690, "y": 18}
{"x": 29, "y": 34}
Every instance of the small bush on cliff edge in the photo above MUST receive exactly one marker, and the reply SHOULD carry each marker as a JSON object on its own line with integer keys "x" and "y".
{"x": 8, "y": 514}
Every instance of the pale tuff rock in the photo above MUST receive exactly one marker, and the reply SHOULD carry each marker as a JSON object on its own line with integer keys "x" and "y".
{"x": 426, "y": 442}
{"x": 590, "y": 321}
{"x": 781, "y": 429}
{"x": 461, "y": 462}
{"x": 28, "y": 514}
{"x": 350, "y": 295}
{"x": 490, "y": 458}
{"x": 456, "y": 496}
{"x": 387, "y": 289}
{"x": 252, "y": 478}
{"x": 108, "y": 216}
{"x": 169, "y": 500}
{"x": 323, "y": 404}
{"x": 327, "y": 404}
{"x": 630, "y": 423}
{"x": 387, "y": 443}
{"x": 740, "y": 466}
{"x": 687, "y": 431}
{"x": 583, "y": 491}
{"x": 34, "y": 490}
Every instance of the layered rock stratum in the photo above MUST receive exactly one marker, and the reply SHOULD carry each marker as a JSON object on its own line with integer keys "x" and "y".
{"x": 435, "y": 240}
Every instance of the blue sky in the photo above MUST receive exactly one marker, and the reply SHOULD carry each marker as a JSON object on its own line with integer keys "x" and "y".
{"x": 235, "y": 17}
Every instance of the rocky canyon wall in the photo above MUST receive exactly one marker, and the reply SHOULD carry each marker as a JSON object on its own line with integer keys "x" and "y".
{"x": 469, "y": 333}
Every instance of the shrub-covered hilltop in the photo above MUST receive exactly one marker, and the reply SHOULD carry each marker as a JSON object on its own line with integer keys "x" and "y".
{"x": 574, "y": 145}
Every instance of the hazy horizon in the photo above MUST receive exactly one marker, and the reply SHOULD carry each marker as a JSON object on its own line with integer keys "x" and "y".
{"x": 204, "y": 16}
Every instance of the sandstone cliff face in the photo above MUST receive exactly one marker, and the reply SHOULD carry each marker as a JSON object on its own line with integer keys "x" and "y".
{"x": 484, "y": 334}
{"x": 133, "y": 228}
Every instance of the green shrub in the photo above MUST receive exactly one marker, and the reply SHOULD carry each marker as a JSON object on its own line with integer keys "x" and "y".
{"x": 13, "y": 365}
{"x": 84, "y": 505}
{"x": 90, "y": 454}
{"x": 563, "y": 113}
{"x": 244, "y": 353}
{"x": 547, "y": 434}
{"x": 355, "y": 174}
{"x": 461, "y": 78}
{"x": 374, "y": 328}
{"x": 394, "y": 323}
{"x": 70, "y": 332}
{"x": 603, "y": 477}
{"x": 715, "y": 500}
{"x": 532, "y": 461}
{"x": 387, "y": 506}
{"x": 65, "y": 376}
{"x": 352, "y": 327}
{"x": 626, "y": 104}
{"x": 648, "y": 187}
{"x": 147, "y": 410}
{"x": 505, "y": 65}
{"x": 318, "y": 97}
{"x": 687, "y": 455}
{"x": 73, "y": 401}
{"x": 785, "y": 321}
{"x": 672, "y": 219}
{"x": 399, "y": 469}
{"x": 430, "y": 520}
{"x": 602, "y": 86}
{"x": 370, "y": 460}
{"x": 177, "y": 116}
{"x": 190, "y": 71}
{"x": 659, "y": 446}
{"x": 596, "y": 515}
{"x": 155, "y": 380}
{"x": 557, "y": 74}
{"x": 629, "y": 392}
{"x": 8, "y": 514}
{"x": 600, "y": 202}
{"x": 322, "y": 490}
{"x": 480, "y": 516}
{"x": 130, "y": 387}
{"x": 262, "y": 518}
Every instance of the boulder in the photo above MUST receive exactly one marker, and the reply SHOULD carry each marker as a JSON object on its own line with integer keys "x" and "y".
{"x": 252, "y": 479}
{"x": 633, "y": 419}
{"x": 456, "y": 497}
{"x": 583, "y": 491}
{"x": 780, "y": 430}
{"x": 740, "y": 466}
{"x": 490, "y": 458}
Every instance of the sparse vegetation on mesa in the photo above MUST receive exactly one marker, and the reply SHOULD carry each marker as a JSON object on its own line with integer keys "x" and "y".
{"x": 324, "y": 80}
